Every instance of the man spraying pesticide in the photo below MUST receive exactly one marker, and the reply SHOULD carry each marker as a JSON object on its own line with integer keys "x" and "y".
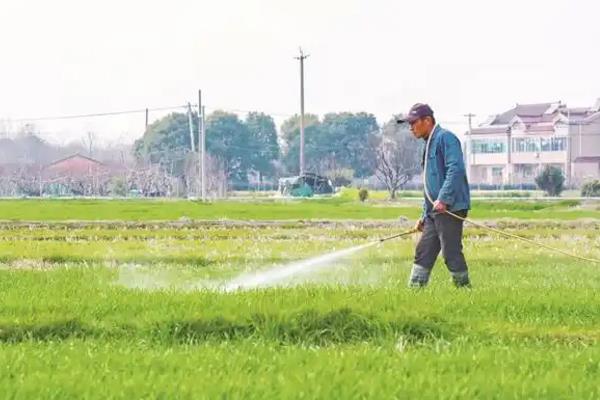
{"x": 446, "y": 193}
{"x": 441, "y": 222}
{"x": 447, "y": 202}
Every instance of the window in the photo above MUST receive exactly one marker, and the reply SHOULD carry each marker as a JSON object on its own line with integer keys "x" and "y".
{"x": 526, "y": 145}
{"x": 488, "y": 146}
{"x": 525, "y": 170}
{"x": 534, "y": 145}
{"x": 558, "y": 144}
{"x": 497, "y": 172}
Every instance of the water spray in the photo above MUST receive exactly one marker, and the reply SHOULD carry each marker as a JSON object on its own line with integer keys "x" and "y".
{"x": 280, "y": 274}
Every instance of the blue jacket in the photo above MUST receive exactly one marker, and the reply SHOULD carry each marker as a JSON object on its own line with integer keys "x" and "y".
{"x": 446, "y": 176}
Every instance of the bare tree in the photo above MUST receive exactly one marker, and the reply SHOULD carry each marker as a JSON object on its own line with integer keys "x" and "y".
{"x": 28, "y": 180}
{"x": 153, "y": 181}
{"x": 398, "y": 157}
{"x": 216, "y": 177}
{"x": 89, "y": 142}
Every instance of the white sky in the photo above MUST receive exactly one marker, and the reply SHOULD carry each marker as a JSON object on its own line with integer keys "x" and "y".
{"x": 70, "y": 57}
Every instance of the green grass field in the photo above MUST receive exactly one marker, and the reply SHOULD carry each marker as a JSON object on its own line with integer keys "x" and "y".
{"x": 125, "y": 309}
{"x": 266, "y": 210}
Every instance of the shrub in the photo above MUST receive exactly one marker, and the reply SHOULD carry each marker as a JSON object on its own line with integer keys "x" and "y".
{"x": 118, "y": 187}
{"x": 591, "y": 189}
{"x": 363, "y": 195}
{"x": 551, "y": 180}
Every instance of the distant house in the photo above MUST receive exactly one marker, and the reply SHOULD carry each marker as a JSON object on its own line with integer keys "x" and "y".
{"x": 77, "y": 166}
{"x": 76, "y": 175}
{"x": 512, "y": 147}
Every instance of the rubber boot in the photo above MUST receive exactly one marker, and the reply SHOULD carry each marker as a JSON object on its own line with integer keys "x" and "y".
{"x": 461, "y": 279}
{"x": 419, "y": 276}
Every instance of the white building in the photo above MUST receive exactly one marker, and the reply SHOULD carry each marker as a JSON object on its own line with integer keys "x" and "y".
{"x": 512, "y": 147}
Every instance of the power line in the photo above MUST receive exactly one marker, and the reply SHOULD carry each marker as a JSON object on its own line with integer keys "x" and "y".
{"x": 91, "y": 115}
{"x": 147, "y": 110}
{"x": 185, "y": 106}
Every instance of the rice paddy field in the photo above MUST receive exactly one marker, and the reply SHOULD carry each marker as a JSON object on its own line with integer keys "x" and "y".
{"x": 124, "y": 299}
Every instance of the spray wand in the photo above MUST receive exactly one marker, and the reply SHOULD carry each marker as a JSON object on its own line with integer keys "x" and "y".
{"x": 385, "y": 239}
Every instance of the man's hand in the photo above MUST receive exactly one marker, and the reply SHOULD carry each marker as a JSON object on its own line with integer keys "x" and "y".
{"x": 439, "y": 207}
{"x": 420, "y": 225}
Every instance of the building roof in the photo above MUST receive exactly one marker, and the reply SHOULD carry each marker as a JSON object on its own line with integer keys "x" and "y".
{"x": 538, "y": 117}
{"x": 578, "y": 114}
{"x": 490, "y": 129}
{"x": 592, "y": 117}
{"x": 75, "y": 165}
{"x": 76, "y": 155}
{"x": 542, "y": 127}
{"x": 577, "y": 110}
{"x": 522, "y": 110}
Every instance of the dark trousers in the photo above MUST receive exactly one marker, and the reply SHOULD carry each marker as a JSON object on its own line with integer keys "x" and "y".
{"x": 441, "y": 232}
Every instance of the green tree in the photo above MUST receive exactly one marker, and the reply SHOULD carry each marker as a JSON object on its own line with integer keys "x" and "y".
{"x": 239, "y": 147}
{"x": 290, "y": 129}
{"x": 342, "y": 141}
{"x": 551, "y": 180}
{"x": 349, "y": 140}
{"x": 290, "y": 134}
{"x": 229, "y": 140}
{"x": 263, "y": 137}
{"x": 167, "y": 142}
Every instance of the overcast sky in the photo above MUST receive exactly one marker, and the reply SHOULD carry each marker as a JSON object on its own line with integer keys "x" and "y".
{"x": 71, "y": 57}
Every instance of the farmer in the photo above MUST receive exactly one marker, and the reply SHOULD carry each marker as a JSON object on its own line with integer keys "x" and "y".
{"x": 447, "y": 185}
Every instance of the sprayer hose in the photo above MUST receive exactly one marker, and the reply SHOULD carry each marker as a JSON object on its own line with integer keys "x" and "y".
{"x": 385, "y": 239}
{"x": 498, "y": 231}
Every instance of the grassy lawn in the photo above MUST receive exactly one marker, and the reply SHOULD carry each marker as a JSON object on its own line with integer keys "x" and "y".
{"x": 107, "y": 310}
{"x": 332, "y": 208}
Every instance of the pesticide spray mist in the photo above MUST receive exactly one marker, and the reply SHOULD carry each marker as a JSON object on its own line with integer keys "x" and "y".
{"x": 133, "y": 277}
{"x": 280, "y": 274}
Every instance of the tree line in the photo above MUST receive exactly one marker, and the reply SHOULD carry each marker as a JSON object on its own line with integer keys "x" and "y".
{"x": 341, "y": 146}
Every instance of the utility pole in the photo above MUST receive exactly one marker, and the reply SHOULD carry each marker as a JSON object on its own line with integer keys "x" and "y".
{"x": 302, "y": 57}
{"x": 200, "y": 155}
{"x": 191, "y": 126}
{"x": 469, "y": 147}
{"x": 146, "y": 126}
{"x": 510, "y": 167}
{"x": 568, "y": 148}
{"x": 202, "y": 141}
{"x": 90, "y": 144}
